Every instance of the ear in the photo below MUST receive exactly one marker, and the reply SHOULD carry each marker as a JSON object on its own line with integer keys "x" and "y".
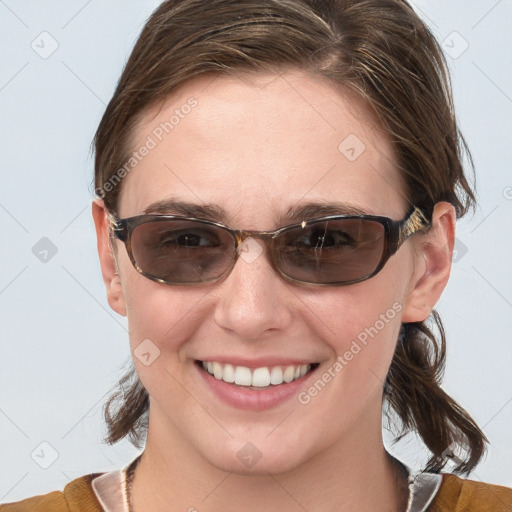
{"x": 111, "y": 278}
{"x": 433, "y": 264}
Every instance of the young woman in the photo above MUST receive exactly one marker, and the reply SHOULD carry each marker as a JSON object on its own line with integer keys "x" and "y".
{"x": 278, "y": 183}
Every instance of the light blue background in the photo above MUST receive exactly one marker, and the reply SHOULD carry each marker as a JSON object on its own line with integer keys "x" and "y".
{"x": 62, "y": 348}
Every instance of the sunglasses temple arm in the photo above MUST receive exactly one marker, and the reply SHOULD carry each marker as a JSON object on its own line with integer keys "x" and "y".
{"x": 416, "y": 222}
{"x": 115, "y": 229}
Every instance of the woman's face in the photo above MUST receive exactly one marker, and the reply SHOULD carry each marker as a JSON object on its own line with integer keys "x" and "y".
{"x": 255, "y": 147}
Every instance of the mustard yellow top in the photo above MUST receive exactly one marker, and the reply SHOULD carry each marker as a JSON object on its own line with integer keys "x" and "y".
{"x": 454, "y": 495}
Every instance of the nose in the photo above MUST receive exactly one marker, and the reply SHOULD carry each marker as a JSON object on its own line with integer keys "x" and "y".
{"x": 253, "y": 299}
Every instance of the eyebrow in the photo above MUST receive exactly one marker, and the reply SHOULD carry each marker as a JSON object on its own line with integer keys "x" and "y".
{"x": 215, "y": 213}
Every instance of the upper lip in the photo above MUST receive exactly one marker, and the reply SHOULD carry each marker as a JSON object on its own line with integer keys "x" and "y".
{"x": 258, "y": 362}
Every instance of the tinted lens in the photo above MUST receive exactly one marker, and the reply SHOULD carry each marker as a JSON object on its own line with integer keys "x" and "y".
{"x": 179, "y": 251}
{"x": 337, "y": 251}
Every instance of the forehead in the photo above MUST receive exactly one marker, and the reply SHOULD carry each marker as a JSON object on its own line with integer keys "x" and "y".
{"x": 258, "y": 146}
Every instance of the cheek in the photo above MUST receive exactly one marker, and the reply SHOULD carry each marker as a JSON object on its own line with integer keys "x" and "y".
{"x": 154, "y": 310}
{"x": 160, "y": 321}
{"x": 361, "y": 324}
{"x": 364, "y": 334}
{"x": 367, "y": 310}
{"x": 166, "y": 316}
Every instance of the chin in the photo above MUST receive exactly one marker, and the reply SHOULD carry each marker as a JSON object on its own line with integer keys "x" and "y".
{"x": 257, "y": 457}
{"x": 273, "y": 464}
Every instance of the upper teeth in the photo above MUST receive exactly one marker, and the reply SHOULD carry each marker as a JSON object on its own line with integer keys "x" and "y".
{"x": 259, "y": 377}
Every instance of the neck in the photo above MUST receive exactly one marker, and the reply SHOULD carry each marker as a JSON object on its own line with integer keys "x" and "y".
{"x": 356, "y": 474}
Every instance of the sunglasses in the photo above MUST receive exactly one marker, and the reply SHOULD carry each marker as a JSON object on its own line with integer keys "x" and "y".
{"x": 333, "y": 250}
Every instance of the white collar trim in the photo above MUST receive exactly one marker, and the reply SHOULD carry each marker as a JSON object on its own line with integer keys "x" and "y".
{"x": 110, "y": 490}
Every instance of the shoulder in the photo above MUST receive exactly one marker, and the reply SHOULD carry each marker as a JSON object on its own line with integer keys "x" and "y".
{"x": 77, "y": 496}
{"x": 459, "y": 495}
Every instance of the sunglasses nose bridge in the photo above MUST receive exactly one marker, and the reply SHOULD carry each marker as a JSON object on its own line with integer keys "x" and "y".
{"x": 240, "y": 236}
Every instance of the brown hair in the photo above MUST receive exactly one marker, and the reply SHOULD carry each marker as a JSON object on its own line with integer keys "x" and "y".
{"x": 381, "y": 51}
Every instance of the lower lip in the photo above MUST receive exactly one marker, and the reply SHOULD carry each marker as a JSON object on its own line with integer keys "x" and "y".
{"x": 253, "y": 399}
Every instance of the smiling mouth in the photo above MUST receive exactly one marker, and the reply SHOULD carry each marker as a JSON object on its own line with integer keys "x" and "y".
{"x": 256, "y": 378}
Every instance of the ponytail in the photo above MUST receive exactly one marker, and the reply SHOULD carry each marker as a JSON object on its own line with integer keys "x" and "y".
{"x": 126, "y": 412}
{"x": 413, "y": 390}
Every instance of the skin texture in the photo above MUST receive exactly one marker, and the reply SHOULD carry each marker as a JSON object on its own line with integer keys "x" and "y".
{"x": 256, "y": 145}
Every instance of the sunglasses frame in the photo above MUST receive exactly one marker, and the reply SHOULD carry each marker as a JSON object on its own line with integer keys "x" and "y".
{"x": 396, "y": 233}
